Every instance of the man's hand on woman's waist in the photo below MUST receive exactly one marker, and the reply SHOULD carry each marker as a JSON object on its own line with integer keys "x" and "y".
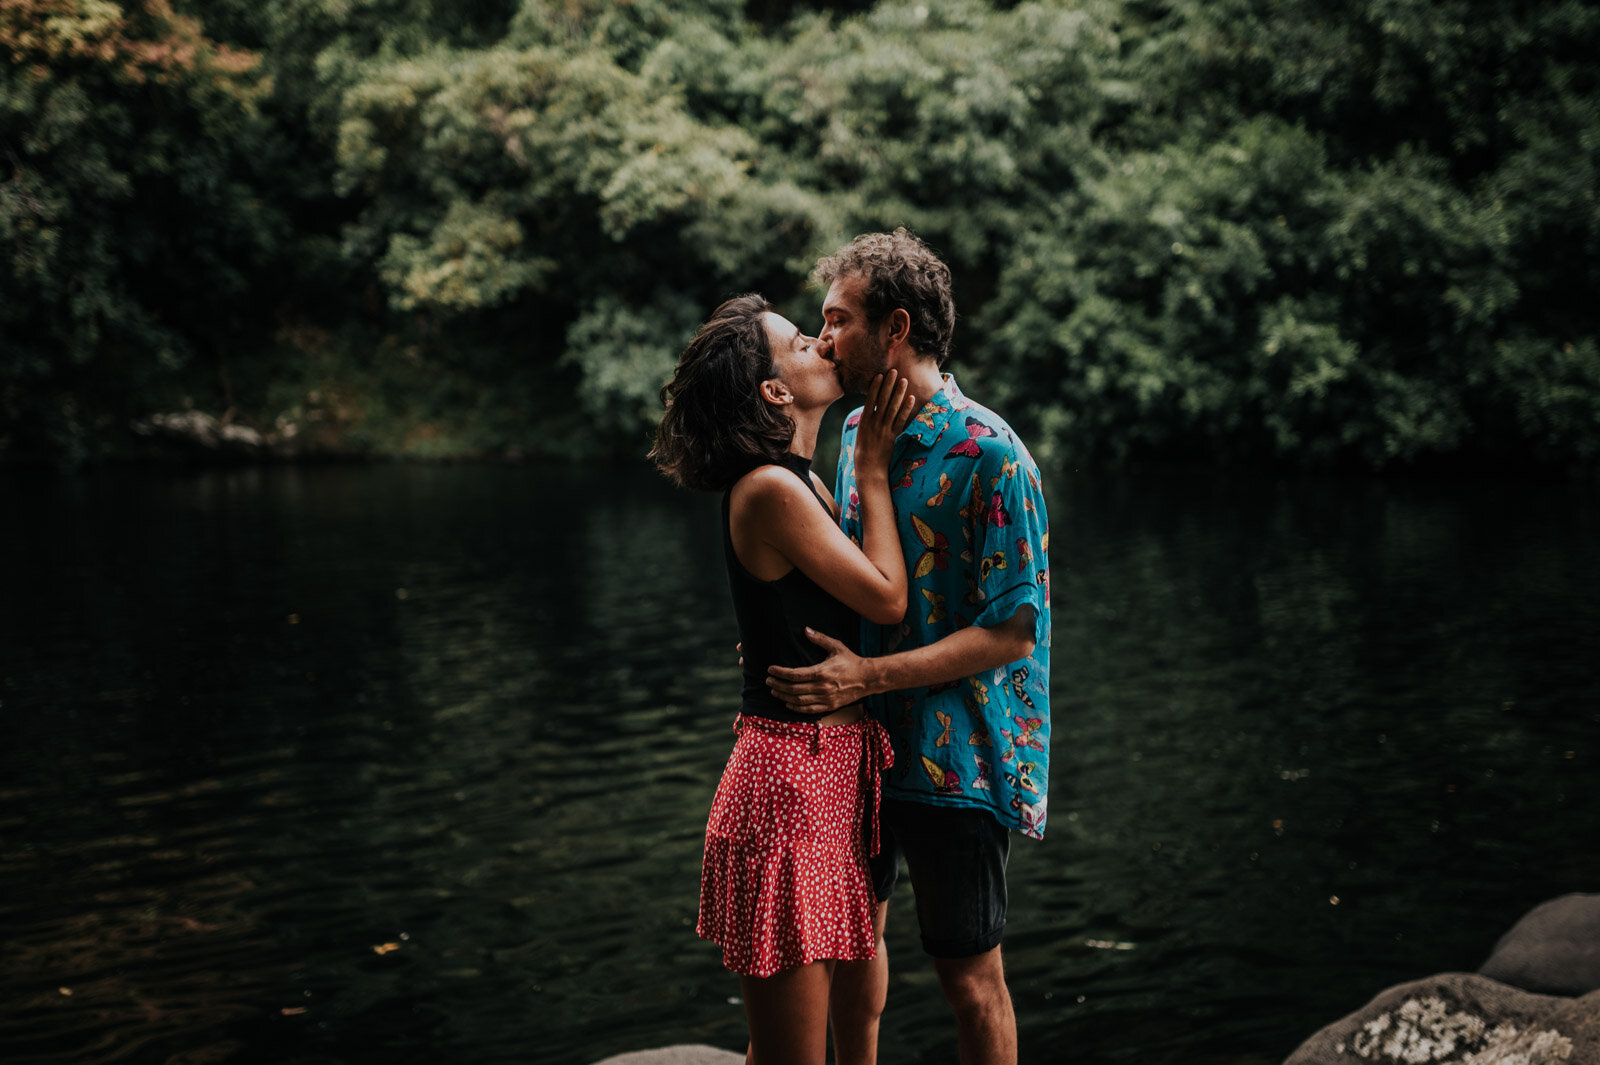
{"x": 845, "y": 677}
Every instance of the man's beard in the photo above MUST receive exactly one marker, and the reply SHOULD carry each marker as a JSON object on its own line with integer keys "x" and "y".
{"x": 876, "y": 361}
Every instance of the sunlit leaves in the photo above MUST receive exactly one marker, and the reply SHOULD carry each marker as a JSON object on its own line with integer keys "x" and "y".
{"x": 134, "y": 41}
{"x": 568, "y": 146}
{"x": 473, "y": 258}
{"x": 671, "y": 166}
{"x": 948, "y": 116}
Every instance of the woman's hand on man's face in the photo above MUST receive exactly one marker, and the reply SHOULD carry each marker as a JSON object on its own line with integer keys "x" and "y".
{"x": 888, "y": 410}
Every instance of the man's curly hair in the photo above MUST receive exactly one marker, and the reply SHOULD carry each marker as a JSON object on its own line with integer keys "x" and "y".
{"x": 900, "y": 271}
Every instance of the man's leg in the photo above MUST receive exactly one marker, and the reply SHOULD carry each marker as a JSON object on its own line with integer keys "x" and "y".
{"x": 957, "y": 860}
{"x": 986, "y": 1025}
{"x": 855, "y": 1005}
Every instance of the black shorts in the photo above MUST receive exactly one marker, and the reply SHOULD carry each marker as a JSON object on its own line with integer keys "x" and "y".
{"x": 956, "y": 856}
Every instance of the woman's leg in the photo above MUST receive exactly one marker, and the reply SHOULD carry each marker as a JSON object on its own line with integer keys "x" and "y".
{"x": 788, "y": 1015}
{"x": 856, "y": 1000}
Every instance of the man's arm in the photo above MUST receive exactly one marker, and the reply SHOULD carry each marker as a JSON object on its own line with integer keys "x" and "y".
{"x": 845, "y": 677}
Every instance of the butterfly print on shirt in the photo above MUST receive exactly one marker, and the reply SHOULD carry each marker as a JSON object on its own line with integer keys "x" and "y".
{"x": 976, "y": 431}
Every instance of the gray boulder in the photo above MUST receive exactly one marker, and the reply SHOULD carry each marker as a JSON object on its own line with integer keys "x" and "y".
{"x": 677, "y": 1055}
{"x": 1461, "y": 1018}
{"x": 1554, "y": 949}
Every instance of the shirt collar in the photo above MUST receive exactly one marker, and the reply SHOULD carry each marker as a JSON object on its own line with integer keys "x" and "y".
{"x": 930, "y": 422}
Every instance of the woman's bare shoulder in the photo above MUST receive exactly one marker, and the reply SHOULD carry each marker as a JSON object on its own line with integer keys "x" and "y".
{"x": 781, "y": 502}
{"x": 764, "y": 478}
{"x": 768, "y": 484}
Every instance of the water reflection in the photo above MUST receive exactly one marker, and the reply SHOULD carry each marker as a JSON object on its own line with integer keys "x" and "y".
{"x": 410, "y": 763}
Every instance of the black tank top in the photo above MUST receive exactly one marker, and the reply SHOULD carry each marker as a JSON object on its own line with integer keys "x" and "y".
{"x": 773, "y": 616}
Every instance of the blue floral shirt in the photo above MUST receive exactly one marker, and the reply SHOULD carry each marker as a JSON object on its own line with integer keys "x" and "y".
{"x": 971, "y": 516}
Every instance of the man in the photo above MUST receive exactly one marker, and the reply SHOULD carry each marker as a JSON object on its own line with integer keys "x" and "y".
{"x": 963, "y": 682}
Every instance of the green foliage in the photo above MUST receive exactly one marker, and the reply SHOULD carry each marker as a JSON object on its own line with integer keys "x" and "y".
{"x": 129, "y": 228}
{"x": 1135, "y": 316}
{"x": 1545, "y": 394}
{"x": 473, "y": 258}
{"x": 1242, "y": 230}
{"x": 950, "y": 117}
{"x": 564, "y": 156}
{"x": 623, "y": 353}
{"x": 1315, "y": 235}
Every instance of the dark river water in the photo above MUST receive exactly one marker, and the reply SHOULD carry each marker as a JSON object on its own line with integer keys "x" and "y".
{"x": 409, "y": 764}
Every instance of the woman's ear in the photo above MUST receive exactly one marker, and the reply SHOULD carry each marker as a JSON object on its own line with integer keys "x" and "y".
{"x": 776, "y": 392}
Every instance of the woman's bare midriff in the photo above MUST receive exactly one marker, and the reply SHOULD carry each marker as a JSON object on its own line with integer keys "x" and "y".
{"x": 847, "y": 715}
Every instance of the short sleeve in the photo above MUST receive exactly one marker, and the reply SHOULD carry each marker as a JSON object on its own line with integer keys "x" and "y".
{"x": 1010, "y": 541}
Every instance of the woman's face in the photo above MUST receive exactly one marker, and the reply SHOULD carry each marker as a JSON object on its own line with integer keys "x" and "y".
{"x": 810, "y": 378}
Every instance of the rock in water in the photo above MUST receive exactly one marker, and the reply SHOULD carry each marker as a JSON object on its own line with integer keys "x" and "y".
{"x": 1461, "y": 1018}
{"x": 1554, "y": 949}
{"x": 677, "y": 1055}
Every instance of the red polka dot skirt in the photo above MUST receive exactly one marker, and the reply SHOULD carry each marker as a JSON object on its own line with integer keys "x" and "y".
{"x": 785, "y": 877}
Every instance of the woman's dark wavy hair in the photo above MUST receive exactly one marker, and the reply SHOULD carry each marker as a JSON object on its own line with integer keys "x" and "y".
{"x": 716, "y": 427}
{"x": 900, "y": 271}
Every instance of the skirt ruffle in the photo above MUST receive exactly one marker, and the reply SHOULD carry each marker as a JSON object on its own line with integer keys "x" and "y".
{"x": 785, "y": 880}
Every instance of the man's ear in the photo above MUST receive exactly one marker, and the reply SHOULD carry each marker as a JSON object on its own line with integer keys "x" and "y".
{"x": 899, "y": 328}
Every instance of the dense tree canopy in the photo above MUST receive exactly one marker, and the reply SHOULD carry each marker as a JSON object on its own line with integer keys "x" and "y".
{"x": 1310, "y": 235}
{"x": 129, "y": 221}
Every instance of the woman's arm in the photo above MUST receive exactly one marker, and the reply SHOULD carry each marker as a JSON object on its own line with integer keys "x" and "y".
{"x": 888, "y": 408}
{"x": 773, "y": 507}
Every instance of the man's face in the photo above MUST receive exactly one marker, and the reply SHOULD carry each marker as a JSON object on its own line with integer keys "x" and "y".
{"x": 857, "y": 350}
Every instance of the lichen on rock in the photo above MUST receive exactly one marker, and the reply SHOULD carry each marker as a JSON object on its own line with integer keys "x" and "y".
{"x": 1423, "y": 1030}
{"x": 1530, "y": 1048}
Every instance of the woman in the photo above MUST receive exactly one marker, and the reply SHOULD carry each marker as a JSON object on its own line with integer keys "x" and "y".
{"x": 784, "y": 888}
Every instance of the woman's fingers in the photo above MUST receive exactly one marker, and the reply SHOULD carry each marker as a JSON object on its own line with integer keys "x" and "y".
{"x": 887, "y": 411}
{"x": 897, "y": 398}
{"x": 897, "y": 393}
{"x": 910, "y": 408}
{"x": 885, "y": 395}
{"x": 907, "y": 409}
{"x": 873, "y": 391}
{"x": 881, "y": 394}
